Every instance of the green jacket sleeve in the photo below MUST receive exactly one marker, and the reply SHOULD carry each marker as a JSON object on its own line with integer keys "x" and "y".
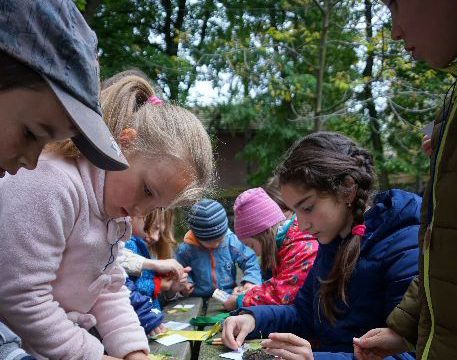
{"x": 404, "y": 318}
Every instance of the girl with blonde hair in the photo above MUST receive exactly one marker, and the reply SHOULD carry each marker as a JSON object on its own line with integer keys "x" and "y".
{"x": 66, "y": 278}
{"x": 159, "y": 226}
{"x": 155, "y": 232}
{"x": 146, "y": 259}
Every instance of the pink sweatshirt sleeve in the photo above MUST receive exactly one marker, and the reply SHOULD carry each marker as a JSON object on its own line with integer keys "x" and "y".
{"x": 37, "y": 213}
{"x": 118, "y": 324}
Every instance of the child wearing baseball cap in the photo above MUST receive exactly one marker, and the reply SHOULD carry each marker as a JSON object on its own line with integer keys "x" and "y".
{"x": 213, "y": 251}
{"x": 48, "y": 91}
{"x": 49, "y": 85}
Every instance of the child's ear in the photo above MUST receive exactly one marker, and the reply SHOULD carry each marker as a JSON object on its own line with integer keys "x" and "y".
{"x": 126, "y": 137}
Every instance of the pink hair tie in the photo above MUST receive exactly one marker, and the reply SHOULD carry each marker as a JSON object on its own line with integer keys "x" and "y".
{"x": 359, "y": 230}
{"x": 154, "y": 100}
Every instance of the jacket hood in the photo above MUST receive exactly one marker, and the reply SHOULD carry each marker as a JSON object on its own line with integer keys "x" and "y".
{"x": 289, "y": 227}
{"x": 190, "y": 239}
{"x": 392, "y": 210}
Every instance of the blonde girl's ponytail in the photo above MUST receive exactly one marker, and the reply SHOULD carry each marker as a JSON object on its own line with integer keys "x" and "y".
{"x": 121, "y": 97}
{"x": 165, "y": 130}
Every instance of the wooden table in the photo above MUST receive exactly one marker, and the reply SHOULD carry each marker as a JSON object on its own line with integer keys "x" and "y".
{"x": 180, "y": 351}
{"x": 207, "y": 351}
{"x": 214, "y": 307}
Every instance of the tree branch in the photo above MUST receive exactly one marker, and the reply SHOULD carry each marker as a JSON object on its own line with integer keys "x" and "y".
{"x": 318, "y": 4}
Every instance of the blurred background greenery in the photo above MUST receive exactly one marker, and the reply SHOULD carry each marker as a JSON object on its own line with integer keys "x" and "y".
{"x": 261, "y": 74}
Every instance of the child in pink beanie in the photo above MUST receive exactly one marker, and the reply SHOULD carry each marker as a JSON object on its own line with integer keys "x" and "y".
{"x": 287, "y": 254}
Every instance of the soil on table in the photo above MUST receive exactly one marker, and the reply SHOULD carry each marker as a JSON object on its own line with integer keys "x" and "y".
{"x": 258, "y": 354}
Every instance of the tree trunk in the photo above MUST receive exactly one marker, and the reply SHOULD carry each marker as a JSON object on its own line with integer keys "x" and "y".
{"x": 90, "y": 10}
{"x": 375, "y": 127}
{"x": 325, "y": 10}
{"x": 172, "y": 31}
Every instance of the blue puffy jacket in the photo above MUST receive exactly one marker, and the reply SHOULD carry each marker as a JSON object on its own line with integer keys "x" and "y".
{"x": 143, "y": 289}
{"x": 147, "y": 283}
{"x": 216, "y": 268}
{"x": 388, "y": 262}
{"x": 150, "y": 317}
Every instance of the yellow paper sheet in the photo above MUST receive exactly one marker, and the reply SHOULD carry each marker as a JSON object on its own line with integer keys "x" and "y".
{"x": 159, "y": 357}
{"x": 188, "y": 334}
{"x": 192, "y": 335}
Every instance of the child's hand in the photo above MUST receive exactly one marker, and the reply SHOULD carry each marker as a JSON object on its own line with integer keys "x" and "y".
{"x": 180, "y": 284}
{"x": 379, "y": 343}
{"x": 247, "y": 286}
{"x": 427, "y": 145}
{"x": 185, "y": 275}
{"x": 106, "y": 357}
{"x": 169, "y": 266}
{"x": 161, "y": 329}
{"x": 165, "y": 284}
{"x": 288, "y": 347}
{"x": 230, "y": 303}
{"x": 362, "y": 354}
{"x": 242, "y": 289}
{"x": 235, "y": 330}
{"x": 187, "y": 289}
{"x": 136, "y": 355}
{"x": 238, "y": 290}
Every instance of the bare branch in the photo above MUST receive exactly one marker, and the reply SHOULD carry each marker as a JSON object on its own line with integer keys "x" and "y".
{"x": 319, "y": 6}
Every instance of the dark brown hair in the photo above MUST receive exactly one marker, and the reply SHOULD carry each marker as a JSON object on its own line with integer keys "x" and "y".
{"x": 323, "y": 161}
{"x": 15, "y": 74}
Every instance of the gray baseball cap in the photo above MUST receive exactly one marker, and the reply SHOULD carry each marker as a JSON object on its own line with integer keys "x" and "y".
{"x": 52, "y": 37}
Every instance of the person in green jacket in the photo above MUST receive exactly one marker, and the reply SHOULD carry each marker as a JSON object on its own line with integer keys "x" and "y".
{"x": 426, "y": 319}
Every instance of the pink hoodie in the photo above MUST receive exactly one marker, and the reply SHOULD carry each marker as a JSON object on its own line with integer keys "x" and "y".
{"x": 55, "y": 242}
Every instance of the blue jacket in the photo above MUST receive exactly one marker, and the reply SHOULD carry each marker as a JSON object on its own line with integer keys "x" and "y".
{"x": 149, "y": 315}
{"x": 143, "y": 288}
{"x": 216, "y": 268}
{"x": 145, "y": 284}
{"x": 387, "y": 264}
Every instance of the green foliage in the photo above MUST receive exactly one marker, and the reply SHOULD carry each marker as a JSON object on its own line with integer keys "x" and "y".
{"x": 156, "y": 37}
{"x": 272, "y": 49}
{"x": 266, "y": 55}
{"x": 80, "y": 4}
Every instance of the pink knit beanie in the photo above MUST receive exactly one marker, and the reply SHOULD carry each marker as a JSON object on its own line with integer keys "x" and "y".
{"x": 255, "y": 212}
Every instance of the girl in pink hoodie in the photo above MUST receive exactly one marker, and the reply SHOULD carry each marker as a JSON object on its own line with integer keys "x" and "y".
{"x": 62, "y": 224}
